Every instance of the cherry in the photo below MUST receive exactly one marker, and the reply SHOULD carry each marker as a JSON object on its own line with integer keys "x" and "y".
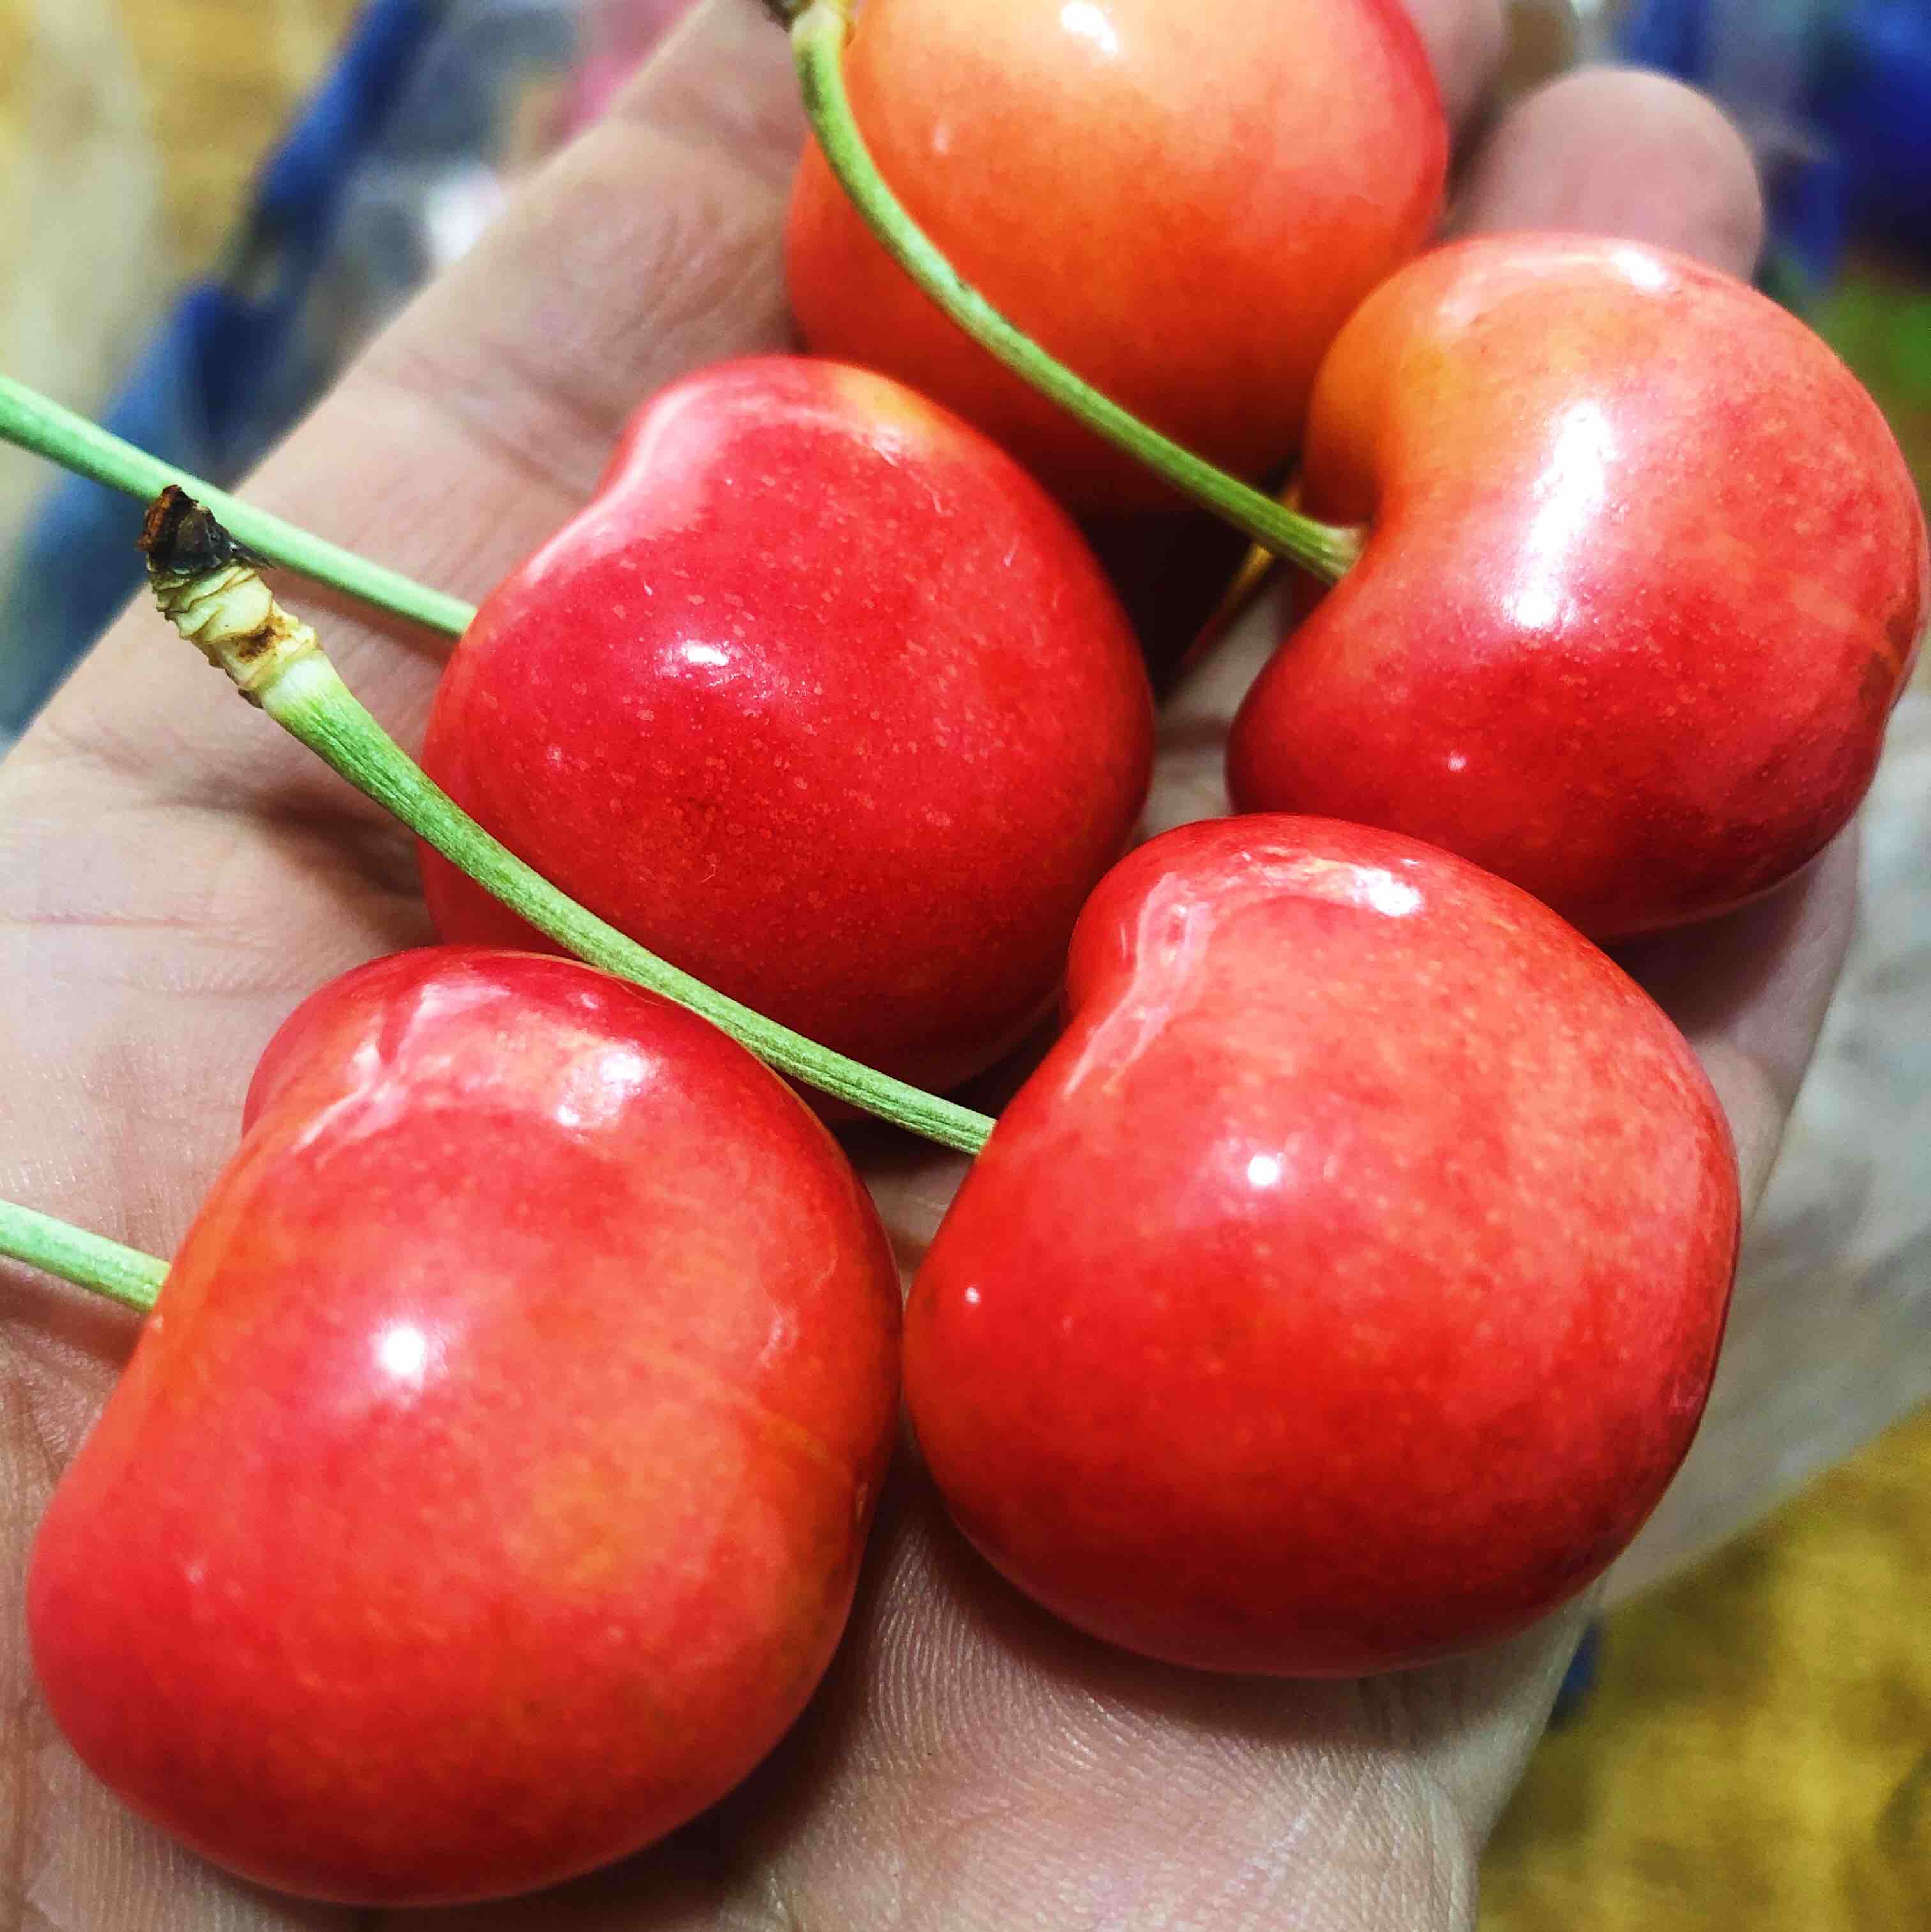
{"x": 1182, "y": 202}
{"x": 821, "y": 698}
{"x": 1629, "y": 571}
{"x": 485, "y": 1494}
{"x": 1645, "y": 572}
{"x": 1346, "y": 1286}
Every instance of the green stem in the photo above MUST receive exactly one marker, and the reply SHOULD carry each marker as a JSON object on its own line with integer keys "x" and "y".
{"x": 36, "y": 422}
{"x": 210, "y": 591}
{"x": 819, "y": 32}
{"x": 125, "y": 1275}
{"x": 309, "y": 700}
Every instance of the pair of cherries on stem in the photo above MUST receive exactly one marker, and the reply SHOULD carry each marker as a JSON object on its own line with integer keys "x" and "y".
{"x": 820, "y": 697}
{"x": 1628, "y": 570}
{"x": 1359, "y": 1180}
{"x": 1341, "y": 1290}
{"x": 486, "y": 1494}
{"x": 540, "y": 1501}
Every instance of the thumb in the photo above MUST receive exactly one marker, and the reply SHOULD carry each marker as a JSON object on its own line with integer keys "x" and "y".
{"x": 480, "y": 420}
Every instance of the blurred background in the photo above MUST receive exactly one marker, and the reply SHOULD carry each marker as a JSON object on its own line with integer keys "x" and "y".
{"x": 207, "y": 205}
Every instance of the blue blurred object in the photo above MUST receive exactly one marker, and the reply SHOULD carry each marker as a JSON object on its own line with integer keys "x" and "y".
{"x": 1871, "y": 94}
{"x": 1836, "y": 97}
{"x": 1578, "y": 1681}
{"x": 228, "y": 371}
{"x": 1667, "y": 33}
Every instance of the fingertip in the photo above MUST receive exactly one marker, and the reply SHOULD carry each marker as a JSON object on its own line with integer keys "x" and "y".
{"x": 1749, "y": 990}
{"x": 723, "y": 78}
{"x": 1615, "y": 151}
{"x": 1465, "y": 40}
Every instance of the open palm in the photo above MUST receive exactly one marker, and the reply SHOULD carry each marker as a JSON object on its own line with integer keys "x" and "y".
{"x": 179, "y": 876}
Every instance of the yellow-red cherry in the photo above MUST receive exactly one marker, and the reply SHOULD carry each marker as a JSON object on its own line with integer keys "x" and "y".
{"x": 486, "y": 1493}
{"x": 1645, "y": 572}
{"x": 822, "y": 698}
{"x": 1345, "y": 1287}
{"x": 1182, "y": 202}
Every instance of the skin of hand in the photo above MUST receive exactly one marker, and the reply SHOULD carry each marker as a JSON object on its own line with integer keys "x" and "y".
{"x": 179, "y": 875}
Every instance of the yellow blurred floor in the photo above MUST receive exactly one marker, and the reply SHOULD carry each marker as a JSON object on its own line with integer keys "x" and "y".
{"x": 220, "y": 78}
{"x": 1757, "y": 1757}
{"x": 128, "y": 130}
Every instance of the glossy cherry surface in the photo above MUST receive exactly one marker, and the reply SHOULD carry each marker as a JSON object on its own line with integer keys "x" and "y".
{"x": 1646, "y": 573}
{"x": 1181, "y": 203}
{"x": 1346, "y": 1286}
{"x": 822, "y": 699}
{"x": 485, "y": 1494}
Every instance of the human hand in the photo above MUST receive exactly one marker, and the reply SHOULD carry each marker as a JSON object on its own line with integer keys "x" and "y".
{"x": 181, "y": 876}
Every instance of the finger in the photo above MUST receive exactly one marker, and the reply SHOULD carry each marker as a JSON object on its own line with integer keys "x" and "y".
{"x": 1814, "y": 1362}
{"x": 480, "y": 419}
{"x": 1610, "y": 151}
{"x": 1465, "y": 40}
{"x": 1604, "y": 151}
{"x": 1639, "y": 155}
{"x": 1749, "y": 991}
{"x": 465, "y": 435}
{"x": 176, "y": 871}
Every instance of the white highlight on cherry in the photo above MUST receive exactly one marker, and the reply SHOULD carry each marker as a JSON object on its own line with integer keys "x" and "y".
{"x": 1572, "y": 489}
{"x": 1089, "y": 21}
{"x": 403, "y": 1353}
{"x": 1641, "y": 268}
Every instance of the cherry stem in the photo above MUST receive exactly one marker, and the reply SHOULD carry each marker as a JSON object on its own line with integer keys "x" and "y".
{"x": 36, "y": 422}
{"x": 208, "y": 588}
{"x": 125, "y": 1275}
{"x": 309, "y": 701}
{"x": 819, "y": 32}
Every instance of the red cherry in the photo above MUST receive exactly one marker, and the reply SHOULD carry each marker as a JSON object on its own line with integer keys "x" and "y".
{"x": 486, "y": 1493}
{"x": 1181, "y": 203}
{"x": 1646, "y": 573}
{"x": 1345, "y": 1287}
{"x": 822, "y": 698}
